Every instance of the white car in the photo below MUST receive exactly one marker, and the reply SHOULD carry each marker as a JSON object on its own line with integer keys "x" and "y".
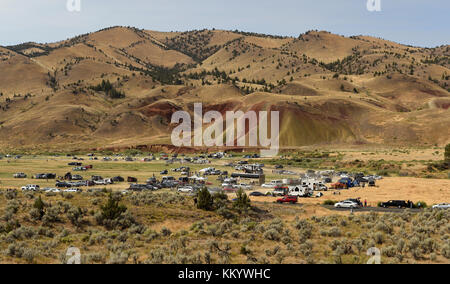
{"x": 243, "y": 186}
{"x": 52, "y": 190}
{"x": 347, "y": 204}
{"x": 72, "y": 190}
{"x": 186, "y": 189}
{"x": 30, "y": 187}
{"x": 273, "y": 184}
{"x": 229, "y": 181}
{"x": 442, "y": 206}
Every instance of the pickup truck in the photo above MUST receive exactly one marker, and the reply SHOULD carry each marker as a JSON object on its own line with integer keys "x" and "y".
{"x": 20, "y": 175}
{"x": 288, "y": 199}
{"x": 395, "y": 203}
{"x": 30, "y": 187}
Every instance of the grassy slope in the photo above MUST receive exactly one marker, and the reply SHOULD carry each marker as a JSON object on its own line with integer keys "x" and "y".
{"x": 405, "y": 108}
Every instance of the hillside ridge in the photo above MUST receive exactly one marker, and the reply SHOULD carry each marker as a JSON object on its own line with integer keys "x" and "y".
{"x": 117, "y": 87}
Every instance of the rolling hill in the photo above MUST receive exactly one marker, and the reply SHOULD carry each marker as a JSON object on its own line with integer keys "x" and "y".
{"x": 329, "y": 89}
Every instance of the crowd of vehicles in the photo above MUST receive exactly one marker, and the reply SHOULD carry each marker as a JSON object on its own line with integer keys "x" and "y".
{"x": 310, "y": 184}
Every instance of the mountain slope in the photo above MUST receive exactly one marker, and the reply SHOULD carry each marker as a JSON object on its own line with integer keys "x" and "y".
{"x": 328, "y": 88}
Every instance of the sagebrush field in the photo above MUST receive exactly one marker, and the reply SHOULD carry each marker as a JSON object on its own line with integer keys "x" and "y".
{"x": 110, "y": 225}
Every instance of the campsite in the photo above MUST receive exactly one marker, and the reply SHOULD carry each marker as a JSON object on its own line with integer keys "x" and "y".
{"x": 163, "y": 194}
{"x": 231, "y": 173}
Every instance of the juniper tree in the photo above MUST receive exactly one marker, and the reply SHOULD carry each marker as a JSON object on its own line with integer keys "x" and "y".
{"x": 205, "y": 200}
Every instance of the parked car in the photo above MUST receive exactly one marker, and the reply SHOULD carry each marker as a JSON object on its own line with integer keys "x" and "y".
{"x": 396, "y": 203}
{"x": 164, "y": 172}
{"x": 288, "y": 199}
{"x": 118, "y": 179}
{"x": 20, "y": 175}
{"x": 229, "y": 189}
{"x": 347, "y": 204}
{"x": 77, "y": 177}
{"x": 96, "y": 178}
{"x": 272, "y": 184}
{"x": 132, "y": 179}
{"x": 442, "y": 206}
{"x": 49, "y": 189}
{"x": 31, "y": 187}
{"x": 186, "y": 189}
{"x": 257, "y": 193}
{"x": 45, "y": 176}
{"x": 243, "y": 186}
{"x": 62, "y": 184}
{"x": 327, "y": 180}
{"x": 279, "y": 167}
{"x": 141, "y": 187}
{"x": 80, "y": 169}
{"x": 357, "y": 201}
{"x": 72, "y": 190}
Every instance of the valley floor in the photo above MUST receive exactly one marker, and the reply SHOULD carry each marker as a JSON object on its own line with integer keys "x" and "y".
{"x": 166, "y": 227}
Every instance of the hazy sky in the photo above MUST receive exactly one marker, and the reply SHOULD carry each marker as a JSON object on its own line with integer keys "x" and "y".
{"x": 414, "y": 22}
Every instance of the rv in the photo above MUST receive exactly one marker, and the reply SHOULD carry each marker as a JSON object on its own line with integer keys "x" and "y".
{"x": 300, "y": 191}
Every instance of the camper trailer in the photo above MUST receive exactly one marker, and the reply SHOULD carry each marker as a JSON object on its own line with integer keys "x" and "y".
{"x": 300, "y": 191}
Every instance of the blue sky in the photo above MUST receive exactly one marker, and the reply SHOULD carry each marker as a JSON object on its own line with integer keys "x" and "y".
{"x": 414, "y": 22}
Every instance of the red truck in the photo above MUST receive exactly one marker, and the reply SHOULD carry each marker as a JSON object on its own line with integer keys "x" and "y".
{"x": 288, "y": 199}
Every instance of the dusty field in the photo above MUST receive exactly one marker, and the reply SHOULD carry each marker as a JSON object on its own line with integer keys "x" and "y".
{"x": 166, "y": 227}
{"x": 431, "y": 191}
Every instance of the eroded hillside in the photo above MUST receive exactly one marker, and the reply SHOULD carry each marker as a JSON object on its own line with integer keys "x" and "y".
{"x": 328, "y": 88}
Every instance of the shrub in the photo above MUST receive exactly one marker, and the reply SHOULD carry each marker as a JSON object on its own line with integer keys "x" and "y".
{"x": 39, "y": 207}
{"x": 11, "y": 194}
{"x": 166, "y": 232}
{"x": 52, "y": 215}
{"x": 378, "y": 237}
{"x": 112, "y": 209}
{"x": 334, "y": 232}
{"x": 446, "y": 251}
{"x": 329, "y": 202}
{"x": 75, "y": 216}
{"x": 272, "y": 235}
{"x": 220, "y": 200}
{"x": 242, "y": 201}
{"x": 205, "y": 200}
{"x": 420, "y": 204}
{"x": 390, "y": 251}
